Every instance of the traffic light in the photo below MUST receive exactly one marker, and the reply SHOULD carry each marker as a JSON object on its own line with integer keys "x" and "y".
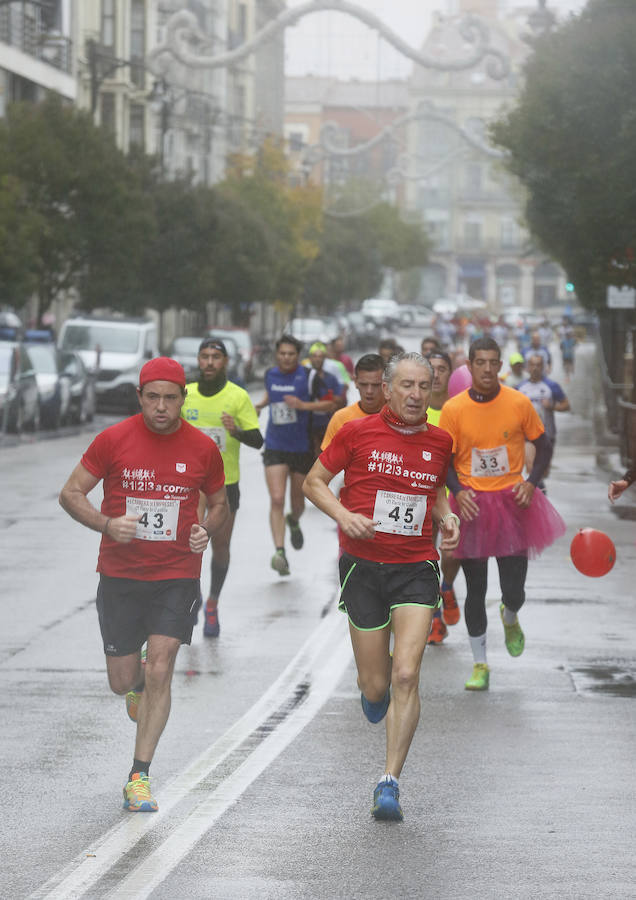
{"x": 569, "y": 287}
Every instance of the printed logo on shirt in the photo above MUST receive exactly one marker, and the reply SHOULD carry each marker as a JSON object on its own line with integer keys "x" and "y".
{"x": 181, "y": 467}
{"x": 192, "y": 414}
{"x": 426, "y": 455}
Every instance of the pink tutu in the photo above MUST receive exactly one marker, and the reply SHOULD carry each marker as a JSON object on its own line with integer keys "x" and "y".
{"x": 503, "y": 529}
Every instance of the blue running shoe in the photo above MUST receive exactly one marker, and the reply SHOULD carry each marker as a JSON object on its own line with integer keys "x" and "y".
{"x": 211, "y": 627}
{"x": 386, "y": 801}
{"x": 375, "y": 712}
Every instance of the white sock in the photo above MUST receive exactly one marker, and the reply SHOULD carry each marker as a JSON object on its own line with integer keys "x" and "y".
{"x": 478, "y": 646}
{"x": 388, "y": 777}
{"x": 509, "y": 617}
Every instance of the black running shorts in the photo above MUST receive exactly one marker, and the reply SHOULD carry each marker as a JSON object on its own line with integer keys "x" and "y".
{"x": 369, "y": 591}
{"x": 130, "y": 610}
{"x": 297, "y": 462}
{"x": 233, "y": 496}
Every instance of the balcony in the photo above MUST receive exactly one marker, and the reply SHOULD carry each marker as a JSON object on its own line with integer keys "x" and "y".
{"x": 25, "y": 32}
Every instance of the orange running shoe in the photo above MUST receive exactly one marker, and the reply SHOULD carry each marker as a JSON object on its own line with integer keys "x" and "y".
{"x": 439, "y": 631}
{"x": 450, "y": 609}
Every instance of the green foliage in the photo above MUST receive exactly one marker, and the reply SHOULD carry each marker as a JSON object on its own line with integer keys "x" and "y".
{"x": 91, "y": 214}
{"x": 77, "y": 214}
{"x": 571, "y": 141}
{"x": 354, "y": 252}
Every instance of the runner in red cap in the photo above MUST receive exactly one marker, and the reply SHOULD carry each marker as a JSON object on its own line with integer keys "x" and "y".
{"x": 153, "y": 467}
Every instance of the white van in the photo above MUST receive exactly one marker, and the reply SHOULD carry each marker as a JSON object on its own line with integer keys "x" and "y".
{"x": 114, "y": 350}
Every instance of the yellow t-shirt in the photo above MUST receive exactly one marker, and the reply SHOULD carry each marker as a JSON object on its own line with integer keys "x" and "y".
{"x": 205, "y": 413}
{"x": 348, "y": 414}
{"x": 433, "y": 415}
{"x": 489, "y": 439}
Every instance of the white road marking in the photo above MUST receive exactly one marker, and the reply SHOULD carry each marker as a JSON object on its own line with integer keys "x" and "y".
{"x": 320, "y": 662}
{"x": 155, "y": 867}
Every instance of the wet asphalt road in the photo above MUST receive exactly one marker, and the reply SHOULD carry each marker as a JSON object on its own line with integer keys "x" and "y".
{"x": 265, "y": 773}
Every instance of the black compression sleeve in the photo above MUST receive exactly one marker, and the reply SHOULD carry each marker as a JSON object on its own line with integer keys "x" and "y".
{"x": 452, "y": 481}
{"x": 251, "y": 438}
{"x": 542, "y": 459}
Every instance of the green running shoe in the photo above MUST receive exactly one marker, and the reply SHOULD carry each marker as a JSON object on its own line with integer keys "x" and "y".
{"x": 279, "y": 563}
{"x": 515, "y": 640}
{"x": 480, "y": 679}
{"x": 295, "y": 534}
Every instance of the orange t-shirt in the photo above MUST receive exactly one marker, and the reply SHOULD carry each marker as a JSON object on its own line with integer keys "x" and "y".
{"x": 348, "y": 414}
{"x": 489, "y": 438}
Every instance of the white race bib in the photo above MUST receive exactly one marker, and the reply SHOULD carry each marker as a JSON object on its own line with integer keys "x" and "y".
{"x": 399, "y": 513}
{"x": 218, "y": 435}
{"x": 490, "y": 463}
{"x": 159, "y": 518}
{"x": 283, "y": 414}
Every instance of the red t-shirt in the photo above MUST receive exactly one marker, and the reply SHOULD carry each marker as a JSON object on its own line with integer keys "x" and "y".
{"x": 157, "y": 476}
{"x": 391, "y": 478}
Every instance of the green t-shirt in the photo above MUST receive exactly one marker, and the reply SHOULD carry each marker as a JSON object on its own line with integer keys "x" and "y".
{"x": 205, "y": 413}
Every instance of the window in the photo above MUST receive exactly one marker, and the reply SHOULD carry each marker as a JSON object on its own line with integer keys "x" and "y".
{"x": 510, "y": 234}
{"x": 296, "y": 142}
{"x": 136, "y": 134}
{"x": 473, "y": 178}
{"x": 242, "y": 22}
{"x": 472, "y": 235}
{"x": 107, "y": 112}
{"x": 137, "y": 41}
{"x": 108, "y": 23}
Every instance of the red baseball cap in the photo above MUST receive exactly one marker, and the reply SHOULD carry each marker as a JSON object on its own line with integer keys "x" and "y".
{"x": 162, "y": 368}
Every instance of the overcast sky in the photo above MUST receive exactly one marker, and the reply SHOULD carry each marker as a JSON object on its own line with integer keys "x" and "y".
{"x": 330, "y": 43}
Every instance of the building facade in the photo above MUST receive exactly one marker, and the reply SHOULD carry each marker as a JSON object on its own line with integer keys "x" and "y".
{"x": 458, "y": 185}
{"x": 37, "y": 51}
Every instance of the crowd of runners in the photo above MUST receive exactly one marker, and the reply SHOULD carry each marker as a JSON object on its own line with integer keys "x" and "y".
{"x": 444, "y": 461}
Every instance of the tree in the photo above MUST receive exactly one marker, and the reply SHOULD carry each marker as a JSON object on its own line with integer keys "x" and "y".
{"x": 86, "y": 199}
{"x": 356, "y": 250}
{"x": 292, "y": 216}
{"x": 571, "y": 142}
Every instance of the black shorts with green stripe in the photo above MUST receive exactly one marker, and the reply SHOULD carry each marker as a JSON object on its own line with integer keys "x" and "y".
{"x": 369, "y": 590}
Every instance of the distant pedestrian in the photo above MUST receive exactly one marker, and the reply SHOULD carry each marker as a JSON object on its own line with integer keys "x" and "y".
{"x": 547, "y": 397}
{"x": 368, "y": 379}
{"x": 288, "y": 455}
{"x": 223, "y": 411}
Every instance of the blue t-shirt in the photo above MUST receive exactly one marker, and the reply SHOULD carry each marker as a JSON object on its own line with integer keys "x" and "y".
{"x": 537, "y": 392}
{"x": 287, "y": 428}
{"x": 328, "y": 382}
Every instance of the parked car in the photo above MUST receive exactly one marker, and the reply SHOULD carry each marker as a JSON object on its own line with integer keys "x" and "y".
{"x": 186, "y": 350}
{"x": 19, "y": 402}
{"x": 54, "y": 391}
{"x": 416, "y": 316}
{"x": 81, "y": 383}
{"x": 309, "y": 330}
{"x": 363, "y": 334}
{"x": 243, "y": 340}
{"x": 383, "y": 312}
{"x": 115, "y": 349}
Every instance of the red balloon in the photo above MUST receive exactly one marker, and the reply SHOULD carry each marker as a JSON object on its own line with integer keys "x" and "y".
{"x": 460, "y": 380}
{"x": 592, "y": 552}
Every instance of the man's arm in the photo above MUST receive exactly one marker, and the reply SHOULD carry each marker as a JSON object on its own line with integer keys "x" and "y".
{"x": 445, "y": 519}
{"x": 263, "y": 402}
{"x": 309, "y": 405}
{"x": 218, "y": 511}
{"x": 251, "y": 437}
{"x": 73, "y": 498}
{"x": 316, "y": 488}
